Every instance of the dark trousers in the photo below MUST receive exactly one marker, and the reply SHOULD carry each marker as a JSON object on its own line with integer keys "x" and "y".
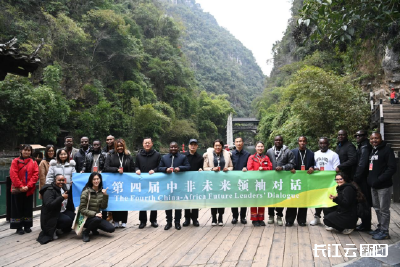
{"x": 21, "y": 211}
{"x": 192, "y": 214}
{"x": 318, "y": 212}
{"x": 65, "y": 220}
{"x": 120, "y": 216}
{"x": 366, "y": 190}
{"x": 104, "y": 214}
{"x": 214, "y": 211}
{"x": 279, "y": 212}
{"x": 94, "y": 223}
{"x": 143, "y": 216}
{"x": 300, "y": 213}
{"x": 235, "y": 212}
{"x": 178, "y": 216}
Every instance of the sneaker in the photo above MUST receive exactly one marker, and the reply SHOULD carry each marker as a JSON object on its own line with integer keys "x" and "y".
{"x": 27, "y": 230}
{"x": 20, "y": 231}
{"x": 116, "y": 224}
{"x": 214, "y": 223}
{"x": 270, "y": 219}
{"x": 123, "y": 225}
{"x": 220, "y": 223}
{"x": 316, "y": 221}
{"x": 255, "y": 223}
{"x": 328, "y": 228}
{"x": 55, "y": 237}
{"x": 381, "y": 235}
{"x": 261, "y": 223}
{"x": 85, "y": 236}
{"x": 279, "y": 220}
{"x": 377, "y": 230}
{"x": 347, "y": 231}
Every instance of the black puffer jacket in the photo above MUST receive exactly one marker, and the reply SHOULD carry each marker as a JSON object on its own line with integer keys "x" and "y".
{"x": 348, "y": 157}
{"x": 384, "y": 167}
{"x": 345, "y": 215}
{"x": 87, "y": 166}
{"x": 363, "y": 150}
{"x": 146, "y": 162}
{"x": 51, "y": 208}
{"x": 113, "y": 164}
{"x": 80, "y": 159}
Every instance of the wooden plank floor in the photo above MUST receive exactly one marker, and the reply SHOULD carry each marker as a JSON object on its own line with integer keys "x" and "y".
{"x": 230, "y": 245}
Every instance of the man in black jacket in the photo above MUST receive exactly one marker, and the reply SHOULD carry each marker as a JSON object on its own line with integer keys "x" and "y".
{"x": 196, "y": 164}
{"x": 382, "y": 167}
{"x": 347, "y": 154}
{"x": 147, "y": 160}
{"x": 361, "y": 173}
{"x": 81, "y": 155}
{"x": 173, "y": 162}
{"x": 95, "y": 159}
{"x": 303, "y": 161}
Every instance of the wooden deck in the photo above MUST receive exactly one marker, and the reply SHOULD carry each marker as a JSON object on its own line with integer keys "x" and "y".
{"x": 230, "y": 245}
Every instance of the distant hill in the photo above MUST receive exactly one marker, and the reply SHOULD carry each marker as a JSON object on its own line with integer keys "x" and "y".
{"x": 221, "y": 63}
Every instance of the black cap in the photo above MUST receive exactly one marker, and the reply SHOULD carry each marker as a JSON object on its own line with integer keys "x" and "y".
{"x": 193, "y": 141}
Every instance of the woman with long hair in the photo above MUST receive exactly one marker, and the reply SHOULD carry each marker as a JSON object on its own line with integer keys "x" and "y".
{"x": 24, "y": 175}
{"x": 258, "y": 162}
{"x": 343, "y": 217}
{"x": 217, "y": 159}
{"x": 61, "y": 165}
{"x": 44, "y": 165}
{"x": 120, "y": 161}
{"x": 97, "y": 197}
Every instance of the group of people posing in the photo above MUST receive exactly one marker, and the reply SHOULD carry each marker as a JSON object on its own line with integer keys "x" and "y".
{"x": 363, "y": 175}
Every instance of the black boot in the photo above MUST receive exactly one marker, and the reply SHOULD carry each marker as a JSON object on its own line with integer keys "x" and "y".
{"x": 85, "y": 236}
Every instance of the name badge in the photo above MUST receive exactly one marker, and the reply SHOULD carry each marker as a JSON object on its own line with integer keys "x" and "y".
{"x": 322, "y": 168}
{"x": 371, "y": 165}
{"x": 303, "y": 167}
{"x": 374, "y": 157}
{"x": 95, "y": 169}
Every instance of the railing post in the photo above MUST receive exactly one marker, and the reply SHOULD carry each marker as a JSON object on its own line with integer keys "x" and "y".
{"x": 371, "y": 96}
{"x": 382, "y": 124}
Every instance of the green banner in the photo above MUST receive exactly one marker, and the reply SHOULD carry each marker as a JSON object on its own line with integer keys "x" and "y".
{"x": 207, "y": 189}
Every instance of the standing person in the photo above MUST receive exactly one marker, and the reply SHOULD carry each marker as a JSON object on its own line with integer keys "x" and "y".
{"x": 173, "y": 162}
{"x": 258, "y": 162}
{"x": 343, "y": 217}
{"x": 80, "y": 157}
{"x": 347, "y": 154}
{"x": 24, "y": 173}
{"x": 147, "y": 161}
{"x": 57, "y": 215}
{"x": 110, "y": 144}
{"x": 61, "y": 165}
{"x": 97, "y": 197}
{"x": 69, "y": 142}
{"x": 304, "y": 161}
{"x": 95, "y": 159}
{"x": 364, "y": 148}
{"x": 196, "y": 162}
{"x": 393, "y": 97}
{"x": 119, "y": 162}
{"x": 282, "y": 160}
{"x": 382, "y": 167}
{"x": 325, "y": 160}
{"x": 217, "y": 159}
{"x": 44, "y": 165}
{"x": 239, "y": 161}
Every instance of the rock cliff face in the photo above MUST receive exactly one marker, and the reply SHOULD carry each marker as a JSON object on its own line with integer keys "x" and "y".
{"x": 391, "y": 68}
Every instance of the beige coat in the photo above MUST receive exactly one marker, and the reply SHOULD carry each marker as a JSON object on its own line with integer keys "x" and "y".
{"x": 209, "y": 159}
{"x": 43, "y": 170}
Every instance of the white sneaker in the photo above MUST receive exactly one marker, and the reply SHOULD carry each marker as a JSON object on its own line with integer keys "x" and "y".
{"x": 55, "y": 237}
{"x": 270, "y": 219}
{"x": 347, "y": 231}
{"x": 214, "y": 223}
{"x": 123, "y": 225}
{"x": 220, "y": 223}
{"x": 116, "y": 224}
{"x": 279, "y": 220}
{"x": 327, "y": 228}
{"x": 316, "y": 221}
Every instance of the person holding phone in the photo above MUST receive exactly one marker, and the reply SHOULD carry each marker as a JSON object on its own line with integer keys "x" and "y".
{"x": 98, "y": 200}
{"x": 54, "y": 220}
{"x": 120, "y": 161}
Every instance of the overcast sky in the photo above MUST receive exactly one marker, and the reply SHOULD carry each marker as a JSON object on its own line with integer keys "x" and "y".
{"x": 258, "y": 24}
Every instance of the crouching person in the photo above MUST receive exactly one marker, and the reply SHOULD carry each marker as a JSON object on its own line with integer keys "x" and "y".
{"x": 98, "y": 199}
{"x": 54, "y": 220}
{"x": 343, "y": 217}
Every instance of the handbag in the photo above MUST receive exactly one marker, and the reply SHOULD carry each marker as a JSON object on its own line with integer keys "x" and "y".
{"x": 15, "y": 190}
{"x": 80, "y": 220}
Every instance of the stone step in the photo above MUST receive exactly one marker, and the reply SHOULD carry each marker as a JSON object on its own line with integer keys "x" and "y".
{"x": 391, "y": 116}
{"x": 393, "y": 121}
